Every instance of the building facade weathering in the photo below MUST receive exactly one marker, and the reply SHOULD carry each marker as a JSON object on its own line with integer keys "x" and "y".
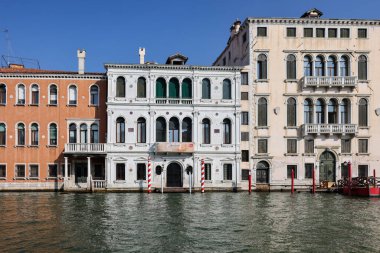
{"x": 312, "y": 97}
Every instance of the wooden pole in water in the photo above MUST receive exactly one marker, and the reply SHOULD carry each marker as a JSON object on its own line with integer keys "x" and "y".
{"x": 374, "y": 178}
{"x": 292, "y": 189}
{"x": 250, "y": 182}
{"x": 313, "y": 176}
{"x": 349, "y": 178}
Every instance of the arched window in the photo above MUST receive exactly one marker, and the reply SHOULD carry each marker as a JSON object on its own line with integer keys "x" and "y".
{"x": 307, "y": 66}
{"x": 292, "y": 112}
{"x": 120, "y": 87}
{"x": 173, "y": 130}
{"x": 94, "y": 133}
{"x": 94, "y": 95}
{"x": 83, "y": 133}
{"x": 35, "y": 95}
{"x": 332, "y": 112}
{"x": 120, "y": 130}
{"x": 331, "y": 66}
{"x": 141, "y": 87}
{"x": 363, "y": 112}
{"x": 160, "y": 129}
{"x": 3, "y": 94}
{"x": 308, "y": 111}
{"x": 141, "y": 130}
{"x": 53, "y": 134}
{"x": 206, "y": 130}
{"x": 362, "y": 68}
{"x": 186, "y": 89}
{"x": 3, "y": 134}
{"x": 187, "y": 130}
{"x": 345, "y": 111}
{"x": 320, "y": 112}
{"x": 344, "y": 66}
{"x": 227, "y": 131}
{"x": 160, "y": 88}
{"x": 319, "y": 66}
{"x": 53, "y": 94}
{"x": 72, "y": 133}
{"x": 291, "y": 67}
{"x": 20, "y": 94}
{"x": 206, "y": 89}
{"x": 262, "y": 67}
{"x": 227, "y": 89}
{"x": 174, "y": 88}
{"x": 262, "y": 117}
{"x": 34, "y": 134}
{"x": 73, "y": 95}
{"x": 20, "y": 134}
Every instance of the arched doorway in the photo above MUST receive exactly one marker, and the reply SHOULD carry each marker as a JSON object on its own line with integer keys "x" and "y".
{"x": 327, "y": 167}
{"x": 262, "y": 173}
{"x": 174, "y": 175}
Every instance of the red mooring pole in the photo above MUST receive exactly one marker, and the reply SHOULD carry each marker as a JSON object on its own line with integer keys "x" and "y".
{"x": 250, "y": 182}
{"x": 349, "y": 178}
{"x": 313, "y": 176}
{"x": 292, "y": 189}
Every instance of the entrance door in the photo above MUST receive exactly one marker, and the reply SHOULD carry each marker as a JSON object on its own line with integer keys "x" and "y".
{"x": 80, "y": 173}
{"x": 262, "y": 173}
{"x": 327, "y": 167}
{"x": 174, "y": 175}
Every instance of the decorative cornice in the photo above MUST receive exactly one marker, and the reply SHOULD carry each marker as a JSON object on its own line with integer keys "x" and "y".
{"x": 172, "y": 67}
{"x": 314, "y": 21}
{"x": 51, "y": 76}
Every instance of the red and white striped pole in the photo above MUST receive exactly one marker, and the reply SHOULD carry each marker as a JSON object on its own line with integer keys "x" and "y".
{"x": 203, "y": 175}
{"x": 149, "y": 175}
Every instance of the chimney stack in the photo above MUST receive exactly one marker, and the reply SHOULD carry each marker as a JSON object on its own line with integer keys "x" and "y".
{"x": 142, "y": 55}
{"x": 81, "y": 59}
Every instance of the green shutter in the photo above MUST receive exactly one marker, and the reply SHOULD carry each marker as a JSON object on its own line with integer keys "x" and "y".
{"x": 186, "y": 88}
{"x": 173, "y": 88}
{"x": 160, "y": 88}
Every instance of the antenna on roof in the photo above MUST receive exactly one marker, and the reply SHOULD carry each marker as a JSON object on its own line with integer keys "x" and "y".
{"x": 9, "y": 51}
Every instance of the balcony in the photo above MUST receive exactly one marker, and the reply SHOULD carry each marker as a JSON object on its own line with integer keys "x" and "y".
{"x": 174, "y": 147}
{"x": 329, "y": 129}
{"x": 329, "y": 81}
{"x": 173, "y": 101}
{"x": 85, "y": 148}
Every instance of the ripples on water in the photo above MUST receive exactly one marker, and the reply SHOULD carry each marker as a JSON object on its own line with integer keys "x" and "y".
{"x": 212, "y": 222}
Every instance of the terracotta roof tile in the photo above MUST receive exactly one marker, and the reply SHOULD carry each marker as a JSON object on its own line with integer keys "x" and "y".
{"x": 42, "y": 71}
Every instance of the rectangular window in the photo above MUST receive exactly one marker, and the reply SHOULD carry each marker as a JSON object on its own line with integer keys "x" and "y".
{"x": 120, "y": 171}
{"x": 20, "y": 170}
{"x": 207, "y": 171}
{"x": 309, "y": 170}
{"x": 244, "y": 174}
{"x": 292, "y": 146}
{"x": 244, "y": 136}
{"x": 244, "y": 78}
{"x": 308, "y": 32}
{"x": 363, "y": 170}
{"x": 33, "y": 171}
{"x": 320, "y": 32}
{"x": 344, "y": 32}
{"x": 244, "y": 96}
{"x": 289, "y": 169}
{"x": 262, "y": 146}
{"x": 245, "y": 155}
{"x": 345, "y": 146}
{"x": 227, "y": 171}
{"x": 344, "y": 170}
{"x": 333, "y": 33}
{"x": 52, "y": 170}
{"x": 363, "y": 146}
{"x": 309, "y": 146}
{"x": 291, "y": 32}
{"x": 141, "y": 171}
{"x": 3, "y": 170}
{"x": 244, "y": 118}
{"x": 261, "y": 31}
{"x": 362, "y": 33}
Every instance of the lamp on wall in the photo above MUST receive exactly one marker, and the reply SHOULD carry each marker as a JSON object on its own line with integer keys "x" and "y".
{"x": 377, "y": 111}
{"x": 276, "y": 110}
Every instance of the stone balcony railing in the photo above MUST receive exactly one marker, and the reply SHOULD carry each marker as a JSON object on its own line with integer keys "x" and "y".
{"x": 175, "y": 101}
{"x": 329, "y": 129}
{"x": 329, "y": 81}
{"x": 86, "y": 148}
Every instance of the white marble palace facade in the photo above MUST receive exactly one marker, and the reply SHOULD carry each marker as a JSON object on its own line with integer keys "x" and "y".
{"x": 177, "y": 115}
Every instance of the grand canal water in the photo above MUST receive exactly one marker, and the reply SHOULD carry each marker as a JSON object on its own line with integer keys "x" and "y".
{"x": 212, "y": 222}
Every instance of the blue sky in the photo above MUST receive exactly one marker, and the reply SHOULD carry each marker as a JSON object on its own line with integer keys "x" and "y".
{"x": 112, "y": 31}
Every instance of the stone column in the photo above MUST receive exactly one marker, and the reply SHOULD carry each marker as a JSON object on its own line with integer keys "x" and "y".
{"x": 88, "y": 169}
{"x": 66, "y": 168}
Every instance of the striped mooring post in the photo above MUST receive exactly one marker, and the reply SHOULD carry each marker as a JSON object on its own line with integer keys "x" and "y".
{"x": 203, "y": 175}
{"x": 149, "y": 175}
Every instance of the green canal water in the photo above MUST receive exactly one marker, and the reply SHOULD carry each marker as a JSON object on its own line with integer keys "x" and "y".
{"x": 212, "y": 222}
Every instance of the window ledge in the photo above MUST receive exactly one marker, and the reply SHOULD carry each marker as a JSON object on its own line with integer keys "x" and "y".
{"x": 262, "y": 154}
{"x": 19, "y": 146}
{"x": 141, "y": 144}
{"x": 363, "y": 127}
{"x": 262, "y": 127}
{"x": 140, "y": 181}
{"x": 205, "y": 145}
{"x": 52, "y": 146}
{"x": 226, "y": 181}
{"x": 3, "y": 146}
{"x": 3, "y": 104}
{"x": 363, "y": 81}
{"x": 291, "y": 80}
{"x": 225, "y": 100}
{"x": 291, "y": 154}
{"x": 3, "y": 178}
{"x": 262, "y": 80}
{"x": 33, "y": 146}
{"x": 363, "y": 154}
{"x": 346, "y": 154}
{"x": 93, "y": 105}
{"x": 120, "y": 181}
{"x": 291, "y": 127}
{"x": 19, "y": 104}
{"x": 33, "y": 178}
{"x": 208, "y": 181}
{"x": 206, "y": 100}
{"x": 51, "y": 178}
{"x": 33, "y": 104}
{"x": 71, "y": 105}
{"x": 52, "y": 105}
{"x": 309, "y": 154}
{"x": 19, "y": 178}
{"x": 227, "y": 145}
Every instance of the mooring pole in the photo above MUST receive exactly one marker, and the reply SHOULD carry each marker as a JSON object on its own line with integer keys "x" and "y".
{"x": 149, "y": 175}
{"x": 292, "y": 189}
{"x": 313, "y": 176}
{"x": 374, "y": 178}
{"x": 190, "y": 175}
{"x": 250, "y": 182}
{"x": 349, "y": 178}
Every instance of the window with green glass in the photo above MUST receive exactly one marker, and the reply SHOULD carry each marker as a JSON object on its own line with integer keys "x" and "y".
{"x": 160, "y": 88}
{"x": 186, "y": 88}
{"x": 174, "y": 88}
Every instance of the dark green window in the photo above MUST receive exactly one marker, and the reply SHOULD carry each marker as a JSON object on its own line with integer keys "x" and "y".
{"x": 186, "y": 88}
{"x": 160, "y": 88}
{"x": 174, "y": 88}
{"x": 291, "y": 32}
{"x": 206, "y": 89}
{"x": 289, "y": 171}
{"x": 362, "y": 67}
{"x": 320, "y": 32}
{"x": 141, "y": 87}
{"x": 120, "y": 87}
{"x": 362, "y": 33}
{"x": 261, "y": 31}
{"x": 333, "y": 32}
{"x": 227, "y": 89}
{"x": 308, "y": 32}
{"x": 344, "y": 32}
{"x": 309, "y": 170}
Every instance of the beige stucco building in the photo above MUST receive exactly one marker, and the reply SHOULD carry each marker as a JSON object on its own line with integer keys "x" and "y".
{"x": 311, "y": 97}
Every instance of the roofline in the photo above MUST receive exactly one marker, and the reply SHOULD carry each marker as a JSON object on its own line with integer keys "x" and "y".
{"x": 52, "y": 76}
{"x": 315, "y": 21}
{"x": 172, "y": 67}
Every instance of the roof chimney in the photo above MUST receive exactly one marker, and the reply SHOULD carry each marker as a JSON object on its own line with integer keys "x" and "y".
{"x": 81, "y": 59}
{"x": 142, "y": 55}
